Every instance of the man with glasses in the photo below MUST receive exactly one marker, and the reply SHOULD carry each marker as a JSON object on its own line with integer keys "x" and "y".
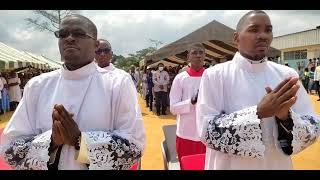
{"x": 183, "y": 100}
{"x": 55, "y": 126}
{"x": 104, "y": 56}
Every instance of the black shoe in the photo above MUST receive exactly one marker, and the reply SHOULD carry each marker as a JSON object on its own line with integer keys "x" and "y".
{"x": 158, "y": 114}
{"x": 164, "y": 113}
{"x": 318, "y": 100}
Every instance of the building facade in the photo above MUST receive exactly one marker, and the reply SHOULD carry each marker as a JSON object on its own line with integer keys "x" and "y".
{"x": 297, "y": 48}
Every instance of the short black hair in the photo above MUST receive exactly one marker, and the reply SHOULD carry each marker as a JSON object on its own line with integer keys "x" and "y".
{"x": 106, "y": 41}
{"x": 196, "y": 46}
{"x": 160, "y": 63}
{"x": 245, "y": 17}
{"x": 91, "y": 26}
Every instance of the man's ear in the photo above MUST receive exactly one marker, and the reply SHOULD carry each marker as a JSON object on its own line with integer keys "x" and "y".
{"x": 97, "y": 43}
{"x": 236, "y": 38}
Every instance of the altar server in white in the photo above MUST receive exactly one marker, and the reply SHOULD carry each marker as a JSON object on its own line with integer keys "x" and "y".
{"x": 252, "y": 113}
{"x": 183, "y": 99}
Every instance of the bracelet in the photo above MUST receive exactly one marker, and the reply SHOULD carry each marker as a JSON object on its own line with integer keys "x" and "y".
{"x": 285, "y": 128}
{"x": 285, "y": 121}
{"x": 77, "y": 146}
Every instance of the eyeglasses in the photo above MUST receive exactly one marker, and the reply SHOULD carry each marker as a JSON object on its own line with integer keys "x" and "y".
{"x": 62, "y": 33}
{"x": 105, "y": 51}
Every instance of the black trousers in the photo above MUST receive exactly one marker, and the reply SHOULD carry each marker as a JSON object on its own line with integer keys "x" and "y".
{"x": 13, "y": 105}
{"x": 149, "y": 99}
{"x": 305, "y": 83}
{"x": 161, "y": 101}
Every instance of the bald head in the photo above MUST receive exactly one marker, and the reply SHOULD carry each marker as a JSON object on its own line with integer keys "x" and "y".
{"x": 107, "y": 44}
{"x": 244, "y": 18}
{"x": 104, "y": 53}
{"x": 91, "y": 27}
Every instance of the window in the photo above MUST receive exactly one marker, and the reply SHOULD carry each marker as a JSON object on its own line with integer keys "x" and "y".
{"x": 292, "y": 55}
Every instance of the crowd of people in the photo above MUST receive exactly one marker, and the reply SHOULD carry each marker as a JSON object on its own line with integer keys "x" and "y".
{"x": 310, "y": 76}
{"x": 12, "y": 85}
{"x": 246, "y": 113}
{"x": 151, "y": 90}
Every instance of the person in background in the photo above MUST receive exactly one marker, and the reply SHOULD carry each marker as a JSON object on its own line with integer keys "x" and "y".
{"x": 134, "y": 76}
{"x": 144, "y": 84}
{"x": 183, "y": 100}
{"x": 160, "y": 80}
{"x": 300, "y": 73}
{"x": 1, "y": 98}
{"x": 103, "y": 57}
{"x": 311, "y": 80}
{"x": 316, "y": 80}
{"x": 149, "y": 96}
{"x": 14, "y": 90}
{"x": 306, "y": 79}
{"x": 4, "y": 94}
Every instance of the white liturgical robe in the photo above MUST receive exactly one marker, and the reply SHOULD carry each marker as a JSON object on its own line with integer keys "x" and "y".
{"x": 105, "y": 107}
{"x": 184, "y": 86}
{"x": 227, "y": 120}
{"x": 111, "y": 67}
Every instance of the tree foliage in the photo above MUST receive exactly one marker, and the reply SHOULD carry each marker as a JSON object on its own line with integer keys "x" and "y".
{"x": 47, "y": 20}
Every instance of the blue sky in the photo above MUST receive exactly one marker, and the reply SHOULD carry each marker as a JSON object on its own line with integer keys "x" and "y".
{"x": 129, "y": 30}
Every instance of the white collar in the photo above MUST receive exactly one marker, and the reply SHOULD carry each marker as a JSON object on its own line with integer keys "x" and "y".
{"x": 110, "y": 67}
{"x": 80, "y": 73}
{"x": 248, "y": 64}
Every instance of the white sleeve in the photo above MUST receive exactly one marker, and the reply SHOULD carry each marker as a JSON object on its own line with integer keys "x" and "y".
{"x": 22, "y": 146}
{"x": 177, "y": 106}
{"x": 306, "y": 124}
{"x": 121, "y": 147}
{"x": 238, "y": 133}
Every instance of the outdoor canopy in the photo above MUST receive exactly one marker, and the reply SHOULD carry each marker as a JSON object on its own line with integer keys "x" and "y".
{"x": 217, "y": 39}
{"x": 11, "y": 58}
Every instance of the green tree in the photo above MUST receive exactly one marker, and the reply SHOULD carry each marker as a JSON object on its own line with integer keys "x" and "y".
{"x": 134, "y": 59}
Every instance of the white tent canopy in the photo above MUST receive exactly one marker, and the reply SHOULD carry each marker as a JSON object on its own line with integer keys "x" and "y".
{"x": 11, "y": 58}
